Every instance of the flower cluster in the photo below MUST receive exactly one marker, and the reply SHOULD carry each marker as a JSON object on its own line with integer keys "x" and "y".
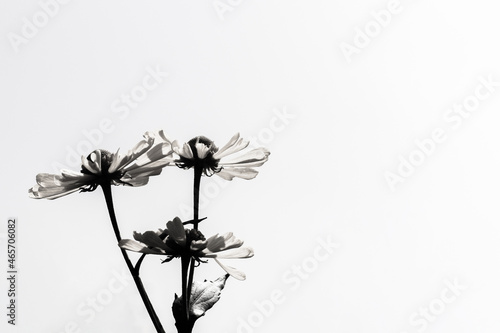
{"x": 148, "y": 158}
{"x": 176, "y": 241}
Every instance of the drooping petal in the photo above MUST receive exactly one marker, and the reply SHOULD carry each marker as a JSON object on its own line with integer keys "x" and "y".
{"x": 230, "y": 172}
{"x": 238, "y": 275}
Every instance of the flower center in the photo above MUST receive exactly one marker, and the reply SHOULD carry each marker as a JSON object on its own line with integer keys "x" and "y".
{"x": 194, "y": 235}
{"x": 194, "y": 143}
{"x": 104, "y": 176}
{"x": 203, "y": 150}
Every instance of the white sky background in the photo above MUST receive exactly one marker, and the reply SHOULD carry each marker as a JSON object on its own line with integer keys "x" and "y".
{"x": 326, "y": 176}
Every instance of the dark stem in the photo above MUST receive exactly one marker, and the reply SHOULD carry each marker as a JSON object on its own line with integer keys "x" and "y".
{"x": 184, "y": 326}
{"x": 139, "y": 262}
{"x": 190, "y": 280}
{"x": 196, "y": 195}
{"x": 106, "y": 188}
{"x": 196, "y": 204}
{"x": 186, "y": 296}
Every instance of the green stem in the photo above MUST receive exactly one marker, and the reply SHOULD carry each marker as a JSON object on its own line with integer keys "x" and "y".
{"x": 106, "y": 188}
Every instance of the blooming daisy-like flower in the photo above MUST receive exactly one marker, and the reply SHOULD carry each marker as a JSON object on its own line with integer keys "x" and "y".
{"x": 147, "y": 158}
{"x": 201, "y": 152}
{"x": 176, "y": 241}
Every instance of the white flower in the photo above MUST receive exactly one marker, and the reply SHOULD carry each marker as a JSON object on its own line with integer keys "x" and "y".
{"x": 147, "y": 158}
{"x": 177, "y": 241}
{"x": 225, "y": 162}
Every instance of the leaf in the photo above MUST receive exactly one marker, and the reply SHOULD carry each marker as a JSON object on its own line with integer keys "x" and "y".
{"x": 204, "y": 295}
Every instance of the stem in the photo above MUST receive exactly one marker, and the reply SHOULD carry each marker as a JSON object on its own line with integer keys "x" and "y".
{"x": 196, "y": 204}
{"x": 196, "y": 195}
{"x": 106, "y": 188}
{"x": 184, "y": 326}
{"x": 139, "y": 262}
{"x": 190, "y": 280}
{"x": 186, "y": 296}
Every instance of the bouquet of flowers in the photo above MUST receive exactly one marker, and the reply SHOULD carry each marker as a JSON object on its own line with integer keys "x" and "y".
{"x": 180, "y": 239}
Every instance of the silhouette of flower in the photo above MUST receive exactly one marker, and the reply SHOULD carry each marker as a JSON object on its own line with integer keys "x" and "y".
{"x": 147, "y": 158}
{"x": 201, "y": 152}
{"x": 176, "y": 241}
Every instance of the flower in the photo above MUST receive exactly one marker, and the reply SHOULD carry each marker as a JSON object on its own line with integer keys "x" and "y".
{"x": 201, "y": 152}
{"x": 147, "y": 158}
{"x": 176, "y": 241}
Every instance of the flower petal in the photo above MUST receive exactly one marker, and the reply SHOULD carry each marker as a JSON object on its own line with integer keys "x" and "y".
{"x": 176, "y": 231}
{"x": 234, "y": 145}
{"x": 39, "y": 192}
{"x": 135, "y": 182}
{"x": 253, "y": 158}
{"x": 48, "y": 180}
{"x": 237, "y": 253}
{"x": 157, "y": 136}
{"x": 198, "y": 245}
{"x": 156, "y": 157}
{"x": 231, "y": 172}
{"x": 142, "y": 172}
{"x": 184, "y": 151}
{"x": 227, "y": 241}
{"x": 238, "y": 275}
{"x": 132, "y": 245}
{"x": 152, "y": 239}
{"x": 119, "y": 162}
{"x": 93, "y": 162}
{"x": 51, "y": 186}
{"x": 202, "y": 150}
{"x": 70, "y": 174}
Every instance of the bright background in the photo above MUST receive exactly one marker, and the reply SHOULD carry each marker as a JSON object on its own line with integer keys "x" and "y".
{"x": 348, "y": 124}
